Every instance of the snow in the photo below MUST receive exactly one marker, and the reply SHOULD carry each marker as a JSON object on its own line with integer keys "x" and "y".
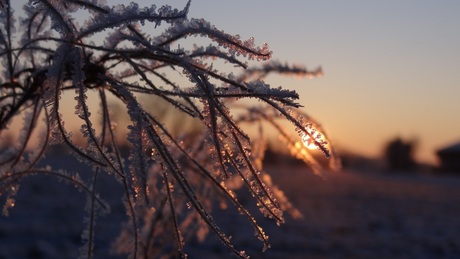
{"x": 347, "y": 214}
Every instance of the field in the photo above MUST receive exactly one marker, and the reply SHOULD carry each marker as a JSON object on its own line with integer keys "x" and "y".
{"x": 347, "y": 214}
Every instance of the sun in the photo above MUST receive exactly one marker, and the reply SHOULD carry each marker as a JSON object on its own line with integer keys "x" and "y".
{"x": 309, "y": 143}
{"x": 311, "y": 138}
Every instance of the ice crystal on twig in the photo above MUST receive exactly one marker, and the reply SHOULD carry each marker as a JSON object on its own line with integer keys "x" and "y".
{"x": 171, "y": 177}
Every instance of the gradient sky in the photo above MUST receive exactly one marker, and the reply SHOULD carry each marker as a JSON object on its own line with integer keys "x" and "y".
{"x": 392, "y": 68}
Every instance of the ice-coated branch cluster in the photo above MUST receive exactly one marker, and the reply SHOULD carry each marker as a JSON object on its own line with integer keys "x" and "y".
{"x": 171, "y": 177}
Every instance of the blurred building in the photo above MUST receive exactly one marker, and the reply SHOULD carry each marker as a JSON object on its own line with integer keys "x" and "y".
{"x": 450, "y": 158}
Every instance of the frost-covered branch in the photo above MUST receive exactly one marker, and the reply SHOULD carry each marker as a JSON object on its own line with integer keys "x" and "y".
{"x": 171, "y": 178}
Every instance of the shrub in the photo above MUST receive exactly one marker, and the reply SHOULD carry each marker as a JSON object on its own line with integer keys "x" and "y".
{"x": 399, "y": 155}
{"x": 49, "y": 52}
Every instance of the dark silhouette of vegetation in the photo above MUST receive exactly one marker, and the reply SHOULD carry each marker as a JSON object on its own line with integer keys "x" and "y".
{"x": 399, "y": 155}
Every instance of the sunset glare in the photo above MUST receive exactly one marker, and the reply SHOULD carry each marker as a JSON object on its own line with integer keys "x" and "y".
{"x": 309, "y": 144}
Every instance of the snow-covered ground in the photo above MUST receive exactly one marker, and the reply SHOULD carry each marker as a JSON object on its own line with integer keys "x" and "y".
{"x": 346, "y": 215}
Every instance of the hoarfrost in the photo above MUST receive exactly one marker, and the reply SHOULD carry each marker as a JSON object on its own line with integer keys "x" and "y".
{"x": 171, "y": 176}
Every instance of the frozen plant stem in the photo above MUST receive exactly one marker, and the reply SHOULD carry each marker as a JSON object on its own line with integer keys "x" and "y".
{"x": 170, "y": 176}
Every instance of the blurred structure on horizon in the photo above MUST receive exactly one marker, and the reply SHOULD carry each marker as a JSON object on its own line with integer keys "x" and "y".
{"x": 449, "y": 158}
{"x": 399, "y": 155}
